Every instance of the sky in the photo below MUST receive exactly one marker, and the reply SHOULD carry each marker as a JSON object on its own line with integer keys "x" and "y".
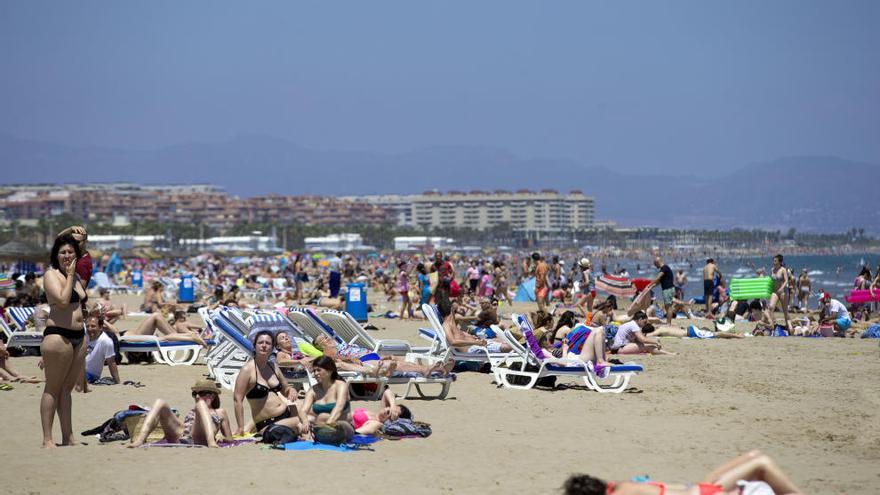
{"x": 695, "y": 87}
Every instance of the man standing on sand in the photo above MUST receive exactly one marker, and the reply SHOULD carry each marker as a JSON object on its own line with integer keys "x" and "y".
{"x": 710, "y": 271}
{"x": 666, "y": 279}
{"x": 542, "y": 282}
{"x": 334, "y": 264}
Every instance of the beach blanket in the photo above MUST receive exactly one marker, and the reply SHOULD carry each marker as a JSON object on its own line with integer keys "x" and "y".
{"x": 618, "y": 286}
{"x": 223, "y": 444}
{"x": 358, "y": 442}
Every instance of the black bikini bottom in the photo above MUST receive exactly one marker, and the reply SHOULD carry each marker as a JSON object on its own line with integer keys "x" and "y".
{"x": 74, "y": 337}
{"x": 271, "y": 421}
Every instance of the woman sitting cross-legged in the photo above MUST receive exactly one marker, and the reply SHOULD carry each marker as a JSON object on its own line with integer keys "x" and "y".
{"x": 200, "y": 426}
{"x": 269, "y": 395}
{"x": 328, "y": 402}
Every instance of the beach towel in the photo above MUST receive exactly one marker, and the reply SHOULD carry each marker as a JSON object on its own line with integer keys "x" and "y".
{"x": 695, "y": 332}
{"x": 358, "y": 442}
{"x": 618, "y": 286}
{"x": 576, "y": 338}
{"x": 873, "y": 332}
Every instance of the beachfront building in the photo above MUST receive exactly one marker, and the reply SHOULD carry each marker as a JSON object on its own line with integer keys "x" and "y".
{"x": 422, "y": 243}
{"x": 336, "y": 242}
{"x": 112, "y": 242}
{"x": 121, "y": 204}
{"x": 523, "y": 210}
{"x": 233, "y": 244}
{"x": 544, "y": 211}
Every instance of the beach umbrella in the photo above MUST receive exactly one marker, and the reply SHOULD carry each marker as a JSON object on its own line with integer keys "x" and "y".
{"x": 22, "y": 251}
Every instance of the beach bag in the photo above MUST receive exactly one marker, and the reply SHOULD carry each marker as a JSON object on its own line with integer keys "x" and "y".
{"x": 873, "y": 332}
{"x": 333, "y": 435}
{"x": 278, "y": 435}
{"x": 403, "y": 427}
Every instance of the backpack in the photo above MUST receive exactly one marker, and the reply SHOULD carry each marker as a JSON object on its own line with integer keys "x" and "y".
{"x": 403, "y": 427}
{"x": 278, "y": 435}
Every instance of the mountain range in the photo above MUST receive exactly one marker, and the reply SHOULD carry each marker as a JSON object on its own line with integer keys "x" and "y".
{"x": 808, "y": 193}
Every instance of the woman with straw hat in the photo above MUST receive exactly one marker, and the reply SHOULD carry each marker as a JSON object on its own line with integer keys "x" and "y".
{"x": 201, "y": 424}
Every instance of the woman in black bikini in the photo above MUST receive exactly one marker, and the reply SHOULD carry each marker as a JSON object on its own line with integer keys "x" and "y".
{"x": 62, "y": 348}
{"x": 269, "y": 395}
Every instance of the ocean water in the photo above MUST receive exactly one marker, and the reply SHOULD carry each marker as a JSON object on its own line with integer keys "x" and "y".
{"x": 833, "y": 274}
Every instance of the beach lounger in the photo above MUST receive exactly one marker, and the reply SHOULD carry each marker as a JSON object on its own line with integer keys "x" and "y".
{"x": 102, "y": 281}
{"x": 618, "y": 375}
{"x": 312, "y": 325}
{"x": 19, "y": 338}
{"x": 344, "y": 325}
{"x": 20, "y": 315}
{"x": 440, "y": 349}
{"x": 165, "y": 352}
{"x": 237, "y": 353}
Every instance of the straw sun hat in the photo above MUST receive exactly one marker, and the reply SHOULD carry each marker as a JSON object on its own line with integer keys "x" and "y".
{"x": 206, "y": 386}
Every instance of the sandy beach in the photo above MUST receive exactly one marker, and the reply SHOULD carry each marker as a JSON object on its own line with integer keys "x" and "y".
{"x": 812, "y": 404}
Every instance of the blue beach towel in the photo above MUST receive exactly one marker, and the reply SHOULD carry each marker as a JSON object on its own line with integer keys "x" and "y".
{"x": 873, "y": 332}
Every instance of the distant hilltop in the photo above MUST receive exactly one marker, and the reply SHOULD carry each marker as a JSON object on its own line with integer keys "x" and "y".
{"x": 809, "y": 193}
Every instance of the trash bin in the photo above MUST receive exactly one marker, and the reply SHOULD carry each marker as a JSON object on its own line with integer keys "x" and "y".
{"x": 187, "y": 291}
{"x": 356, "y": 301}
{"x": 137, "y": 279}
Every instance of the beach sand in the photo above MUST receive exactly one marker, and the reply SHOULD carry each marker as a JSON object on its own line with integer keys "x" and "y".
{"x": 812, "y": 404}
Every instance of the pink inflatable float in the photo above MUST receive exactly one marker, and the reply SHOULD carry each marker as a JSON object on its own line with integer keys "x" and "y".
{"x": 863, "y": 296}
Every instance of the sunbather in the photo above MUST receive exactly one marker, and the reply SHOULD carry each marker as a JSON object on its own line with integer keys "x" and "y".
{"x": 752, "y": 473}
{"x": 352, "y": 357}
{"x": 464, "y": 342}
{"x": 7, "y": 374}
{"x": 673, "y": 331}
{"x": 369, "y": 423}
{"x": 288, "y": 355}
{"x": 155, "y": 323}
{"x": 201, "y": 425}
{"x": 327, "y": 402}
{"x": 269, "y": 395}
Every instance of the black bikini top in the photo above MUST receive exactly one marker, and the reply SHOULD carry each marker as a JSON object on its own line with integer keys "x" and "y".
{"x": 74, "y": 297}
{"x": 260, "y": 391}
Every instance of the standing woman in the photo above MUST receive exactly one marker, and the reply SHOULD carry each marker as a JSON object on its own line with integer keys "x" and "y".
{"x": 403, "y": 291}
{"x": 62, "y": 349}
{"x": 779, "y": 274}
{"x": 805, "y": 287}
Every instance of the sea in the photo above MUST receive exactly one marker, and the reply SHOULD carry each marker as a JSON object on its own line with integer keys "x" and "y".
{"x": 829, "y": 273}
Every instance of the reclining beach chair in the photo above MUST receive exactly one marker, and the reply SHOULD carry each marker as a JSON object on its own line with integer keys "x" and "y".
{"x": 20, "y": 315}
{"x": 102, "y": 281}
{"x": 532, "y": 355}
{"x": 440, "y": 349}
{"x": 165, "y": 352}
{"x": 238, "y": 352}
{"x": 313, "y": 325}
{"x": 19, "y": 338}
{"x": 344, "y": 325}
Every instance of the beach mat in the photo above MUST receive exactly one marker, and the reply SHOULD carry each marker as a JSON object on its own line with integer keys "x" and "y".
{"x": 356, "y": 443}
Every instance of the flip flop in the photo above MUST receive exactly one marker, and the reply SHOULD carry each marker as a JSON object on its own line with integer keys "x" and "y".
{"x": 6, "y": 386}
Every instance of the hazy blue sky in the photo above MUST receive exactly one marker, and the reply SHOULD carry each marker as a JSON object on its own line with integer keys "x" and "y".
{"x": 690, "y": 86}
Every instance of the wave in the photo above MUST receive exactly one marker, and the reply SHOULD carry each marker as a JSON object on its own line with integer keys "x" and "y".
{"x": 743, "y": 269}
{"x": 815, "y": 272}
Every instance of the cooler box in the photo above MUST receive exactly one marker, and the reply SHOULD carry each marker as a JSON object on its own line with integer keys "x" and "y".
{"x": 356, "y": 301}
{"x": 187, "y": 290}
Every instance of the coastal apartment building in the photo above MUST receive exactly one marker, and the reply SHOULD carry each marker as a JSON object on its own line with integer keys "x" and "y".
{"x": 533, "y": 211}
{"x": 199, "y": 204}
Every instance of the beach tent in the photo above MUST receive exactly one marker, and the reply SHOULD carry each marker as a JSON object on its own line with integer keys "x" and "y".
{"x": 526, "y": 291}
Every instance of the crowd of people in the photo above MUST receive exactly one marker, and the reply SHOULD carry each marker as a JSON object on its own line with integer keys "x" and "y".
{"x": 571, "y": 321}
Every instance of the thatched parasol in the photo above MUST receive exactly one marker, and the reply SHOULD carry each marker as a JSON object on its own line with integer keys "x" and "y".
{"x": 18, "y": 251}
